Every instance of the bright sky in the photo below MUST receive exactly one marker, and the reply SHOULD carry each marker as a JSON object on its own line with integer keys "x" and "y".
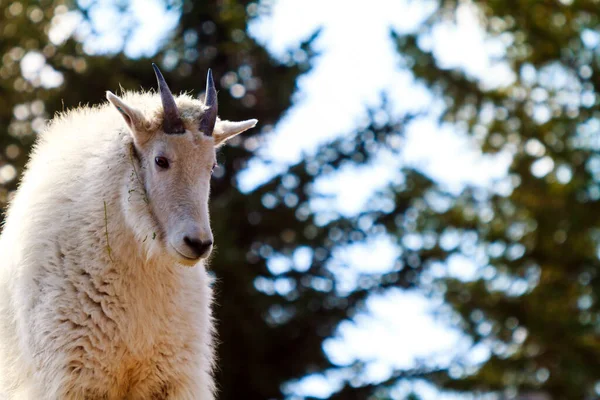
{"x": 358, "y": 62}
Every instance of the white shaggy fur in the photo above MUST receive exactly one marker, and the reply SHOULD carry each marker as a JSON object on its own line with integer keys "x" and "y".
{"x": 93, "y": 305}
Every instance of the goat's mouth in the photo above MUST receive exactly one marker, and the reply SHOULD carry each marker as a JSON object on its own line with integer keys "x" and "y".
{"x": 185, "y": 259}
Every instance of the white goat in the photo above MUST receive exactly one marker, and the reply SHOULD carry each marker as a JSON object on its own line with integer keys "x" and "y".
{"x": 95, "y": 302}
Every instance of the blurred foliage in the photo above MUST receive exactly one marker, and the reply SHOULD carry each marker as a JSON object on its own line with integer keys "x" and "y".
{"x": 533, "y": 235}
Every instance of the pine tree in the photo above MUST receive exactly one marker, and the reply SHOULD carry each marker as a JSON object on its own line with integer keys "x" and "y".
{"x": 533, "y": 302}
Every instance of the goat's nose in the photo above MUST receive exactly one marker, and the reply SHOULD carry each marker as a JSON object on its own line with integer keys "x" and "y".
{"x": 198, "y": 247}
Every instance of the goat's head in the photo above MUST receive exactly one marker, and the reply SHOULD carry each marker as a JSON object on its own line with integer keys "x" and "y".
{"x": 177, "y": 158}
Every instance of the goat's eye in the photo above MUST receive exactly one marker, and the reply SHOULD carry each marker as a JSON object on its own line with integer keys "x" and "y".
{"x": 162, "y": 162}
{"x": 213, "y": 168}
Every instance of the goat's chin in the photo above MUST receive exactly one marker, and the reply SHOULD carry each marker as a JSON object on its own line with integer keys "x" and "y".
{"x": 186, "y": 262}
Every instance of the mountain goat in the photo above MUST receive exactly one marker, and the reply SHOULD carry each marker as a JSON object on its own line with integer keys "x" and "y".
{"x": 96, "y": 301}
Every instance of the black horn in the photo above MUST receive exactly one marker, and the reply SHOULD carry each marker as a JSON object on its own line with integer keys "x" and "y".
{"x": 172, "y": 121}
{"x": 207, "y": 124}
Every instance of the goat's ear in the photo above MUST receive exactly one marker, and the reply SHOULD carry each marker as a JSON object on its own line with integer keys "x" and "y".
{"x": 225, "y": 130}
{"x": 134, "y": 118}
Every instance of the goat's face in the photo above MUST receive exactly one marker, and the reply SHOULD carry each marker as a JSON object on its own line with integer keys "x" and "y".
{"x": 177, "y": 159}
{"x": 176, "y": 171}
